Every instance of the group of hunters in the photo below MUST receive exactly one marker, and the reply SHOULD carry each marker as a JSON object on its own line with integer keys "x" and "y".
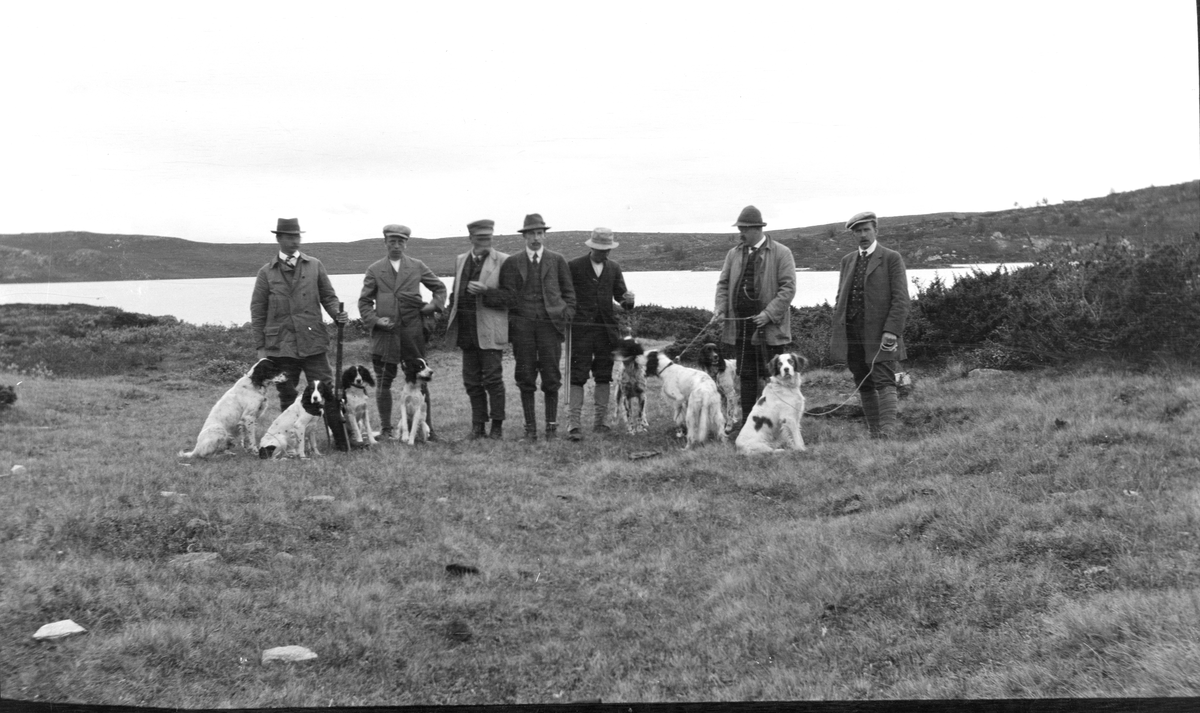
{"x": 536, "y": 298}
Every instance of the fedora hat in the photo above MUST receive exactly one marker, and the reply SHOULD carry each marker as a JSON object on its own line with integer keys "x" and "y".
{"x": 289, "y": 226}
{"x": 534, "y": 221}
{"x": 481, "y": 227}
{"x": 863, "y": 217}
{"x": 402, "y": 231}
{"x": 602, "y": 239}
{"x": 750, "y": 217}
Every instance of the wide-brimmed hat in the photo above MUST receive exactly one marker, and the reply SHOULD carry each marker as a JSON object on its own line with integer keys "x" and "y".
{"x": 481, "y": 228}
{"x": 402, "y": 231}
{"x": 287, "y": 226}
{"x": 602, "y": 239}
{"x": 750, "y": 217}
{"x": 534, "y": 221}
{"x": 863, "y": 217}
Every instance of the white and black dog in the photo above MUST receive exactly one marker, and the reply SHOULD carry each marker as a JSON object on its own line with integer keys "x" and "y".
{"x": 693, "y": 397}
{"x": 412, "y": 426}
{"x": 722, "y": 371}
{"x": 237, "y": 412}
{"x": 355, "y": 381}
{"x": 775, "y": 417}
{"x": 631, "y": 387}
{"x": 295, "y": 427}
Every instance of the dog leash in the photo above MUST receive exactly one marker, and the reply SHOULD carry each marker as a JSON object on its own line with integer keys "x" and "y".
{"x": 856, "y": 388}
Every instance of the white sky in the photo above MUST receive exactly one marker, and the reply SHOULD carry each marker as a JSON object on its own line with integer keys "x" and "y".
{"x": 209, "y": 120}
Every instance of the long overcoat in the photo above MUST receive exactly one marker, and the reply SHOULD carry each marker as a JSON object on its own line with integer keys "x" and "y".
{"x": 285, "y": 315}
{"x": 775, "y": 282}
{"x": 491, "y": 319}
{"x": 885, "y": 305}
{"x": 397, "y": 295}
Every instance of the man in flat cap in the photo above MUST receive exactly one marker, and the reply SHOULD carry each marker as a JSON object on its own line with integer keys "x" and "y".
{"x": 285, "y": 312}
{"x": 391, "y": 306}
{"x": 536, "y": 285}
{"x": 868, "y": 322}
{"x": 754, "y": 298}
{"x": 478, "y": 325}
{"x": 599, "y": 285}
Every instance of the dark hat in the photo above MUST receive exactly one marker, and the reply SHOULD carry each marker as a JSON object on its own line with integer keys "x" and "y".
{"x": 602, "y": 239}
{"x": 534, "y": 221}
{"x": 395, "y": 229}
{"x": 289, "y": 226}
{"x": 861, "y": 218}
{"x": 481, "y": 227}
{"x": 750, "y": 217}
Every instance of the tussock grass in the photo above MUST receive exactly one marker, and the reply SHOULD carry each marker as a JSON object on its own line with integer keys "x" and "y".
{"x": 1029, "y": 535}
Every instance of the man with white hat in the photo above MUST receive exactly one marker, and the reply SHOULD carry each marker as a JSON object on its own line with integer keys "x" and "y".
{"x": 754, "y": 297}
{"x": 868, "y": 322}
{"x": 285, "y": 312}
{"x": 598, "y": 285}
{"x": 478, "y": 325}
{"x": 392, "y": 308}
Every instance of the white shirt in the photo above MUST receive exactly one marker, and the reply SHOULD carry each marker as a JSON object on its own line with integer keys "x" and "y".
{"x": 597, "y": 267}
{"x": 870, "y": 249}
{"x": 284, "y": 258}
{"x": 531, "y": 254}
{"x": 395, "y": 265}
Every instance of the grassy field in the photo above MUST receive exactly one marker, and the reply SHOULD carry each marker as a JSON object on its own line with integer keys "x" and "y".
{"x": 1029, "y": 535}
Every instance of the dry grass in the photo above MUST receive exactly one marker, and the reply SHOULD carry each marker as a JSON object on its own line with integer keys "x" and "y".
{"x": 1034, "y": 535}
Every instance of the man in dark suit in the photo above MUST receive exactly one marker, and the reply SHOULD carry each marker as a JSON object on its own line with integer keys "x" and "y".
{"x": 479, "y": 329}
{"x": 536, "y": 287}
{"x": 868, "y": 322}
{"x": 392, "y": 308}
{"x": 285, "y": 312}
{"x": 598, "y": 284}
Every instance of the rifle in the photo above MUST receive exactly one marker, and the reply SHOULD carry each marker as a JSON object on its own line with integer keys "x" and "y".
{"x": 335, "y": 414}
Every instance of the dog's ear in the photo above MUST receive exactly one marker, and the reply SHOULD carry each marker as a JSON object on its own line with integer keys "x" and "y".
{"x": 773, "y": 366}
{"x": 348, "y": 377}
{"x": 652, "y": 363}
{"x": 366, "y": 376}
{"x": 800, "y": 361}
{"x": 265, "y": 452}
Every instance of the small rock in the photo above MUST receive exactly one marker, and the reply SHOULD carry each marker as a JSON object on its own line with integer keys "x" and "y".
{"x": 319, "y": 499}
{"x": 172, "y": 494}
{"x": 284, "y": 556}
{"x": 458, "y": 570}
{"x": 59, "y": 629}
{"x": 287, "y": 654}
{"x": 192, "y": 558}
{"x": 642, "y": 455}
{"x": 986, "y": 373}
{"x": 443, "y": 500}
{"x": 1095, "y": 570}
{"x": 197, "y": 522}
{"x": 1132, "y": 493}
{"x": 1060, "y": 423}
{"x": 458, "y": 630}
{"x": 19, "y": 470}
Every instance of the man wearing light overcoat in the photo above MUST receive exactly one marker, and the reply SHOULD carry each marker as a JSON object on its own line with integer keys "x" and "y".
{"x": 478, "y": 325}
{"x": 391, "y": 306}
{"x": 868, "y": 322}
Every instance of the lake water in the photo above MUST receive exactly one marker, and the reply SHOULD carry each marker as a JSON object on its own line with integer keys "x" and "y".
{"x": 226, "y": 300}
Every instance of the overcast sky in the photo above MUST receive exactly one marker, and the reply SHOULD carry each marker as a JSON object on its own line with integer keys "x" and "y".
{"x": 209, "y": 120}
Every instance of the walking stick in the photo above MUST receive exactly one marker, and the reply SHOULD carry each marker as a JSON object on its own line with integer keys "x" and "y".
{"x": 335, "y": 416}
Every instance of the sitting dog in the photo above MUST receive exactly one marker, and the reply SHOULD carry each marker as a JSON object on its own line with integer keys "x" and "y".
{"x": 631, "y": 387}
{"x": 355, "y": 381}
{"x": 693, "y": 396}
{"x": 237, "y": 412}
{"x": 776, "y": 415}
{"x": 295, "y": 424}
{"x": 412, "y": 426}
{"x": 722, "y": 371}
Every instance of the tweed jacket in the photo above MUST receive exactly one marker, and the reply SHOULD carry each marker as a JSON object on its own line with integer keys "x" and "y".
{"x": 491, "y": 319}
{"x": 397, "y": 295}
{"x": 558, "y": 292}
{"x": 285, "y": 317}
{"x": 775, "y": 282}
{"x": 594, "y": 296}
{"x": 885, "y": 304}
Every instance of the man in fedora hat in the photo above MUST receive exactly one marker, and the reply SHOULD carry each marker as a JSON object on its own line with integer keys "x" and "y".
{"x": 285, "y": 312}
{"x": 392, "y": 308}
{"x": 598, "y": 285}
{"x": 868, "y": 322}
{"x": 478, "y": 325}
{"x": 536, "y": 286}
{"x": 754, "y": 298}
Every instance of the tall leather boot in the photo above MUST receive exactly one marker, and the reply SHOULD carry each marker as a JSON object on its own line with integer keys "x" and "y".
{"x": 551, "y": 401}
{"x": 383, "y": 399}
{"x": 529, "y": 407}
{"x": 887, "y": 412}
{"x": 574, "y": 413}
{"x": 428, "y": 414}
{"x": 870, "y": 407}
{"x": 601, "y": 396}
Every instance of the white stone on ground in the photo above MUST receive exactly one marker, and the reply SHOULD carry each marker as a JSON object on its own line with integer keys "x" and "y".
{"x": 58, "y": 629}
{"x": 287, "y": 653}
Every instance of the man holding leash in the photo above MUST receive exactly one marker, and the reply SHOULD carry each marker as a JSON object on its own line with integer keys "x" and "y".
{"x": 537, "y": 289}
{"x": 478, "y": 325}
{"x": 285, "y": 312}
{"x": 598, "y": 285}
{"x": 392, "y": 308}
{"x": 868, "y": 322}
{"x": 754, "y": 297}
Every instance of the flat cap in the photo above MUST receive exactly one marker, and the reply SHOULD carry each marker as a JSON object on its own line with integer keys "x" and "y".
{"x": 481, "y": 227}
{"x": 861, "y": 218}
{"x": 395, "y": 229}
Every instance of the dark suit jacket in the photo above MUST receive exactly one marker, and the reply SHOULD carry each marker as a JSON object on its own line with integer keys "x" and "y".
{"x": 397, "y": 295}
{"x": 594, "y": 296}
{"x": 558, "y": 292}
{"x": 885, "y": 304}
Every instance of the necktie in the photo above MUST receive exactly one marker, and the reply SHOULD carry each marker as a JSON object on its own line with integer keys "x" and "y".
{"x": 862, "y": 254}
{"x": 291, "y": 261}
